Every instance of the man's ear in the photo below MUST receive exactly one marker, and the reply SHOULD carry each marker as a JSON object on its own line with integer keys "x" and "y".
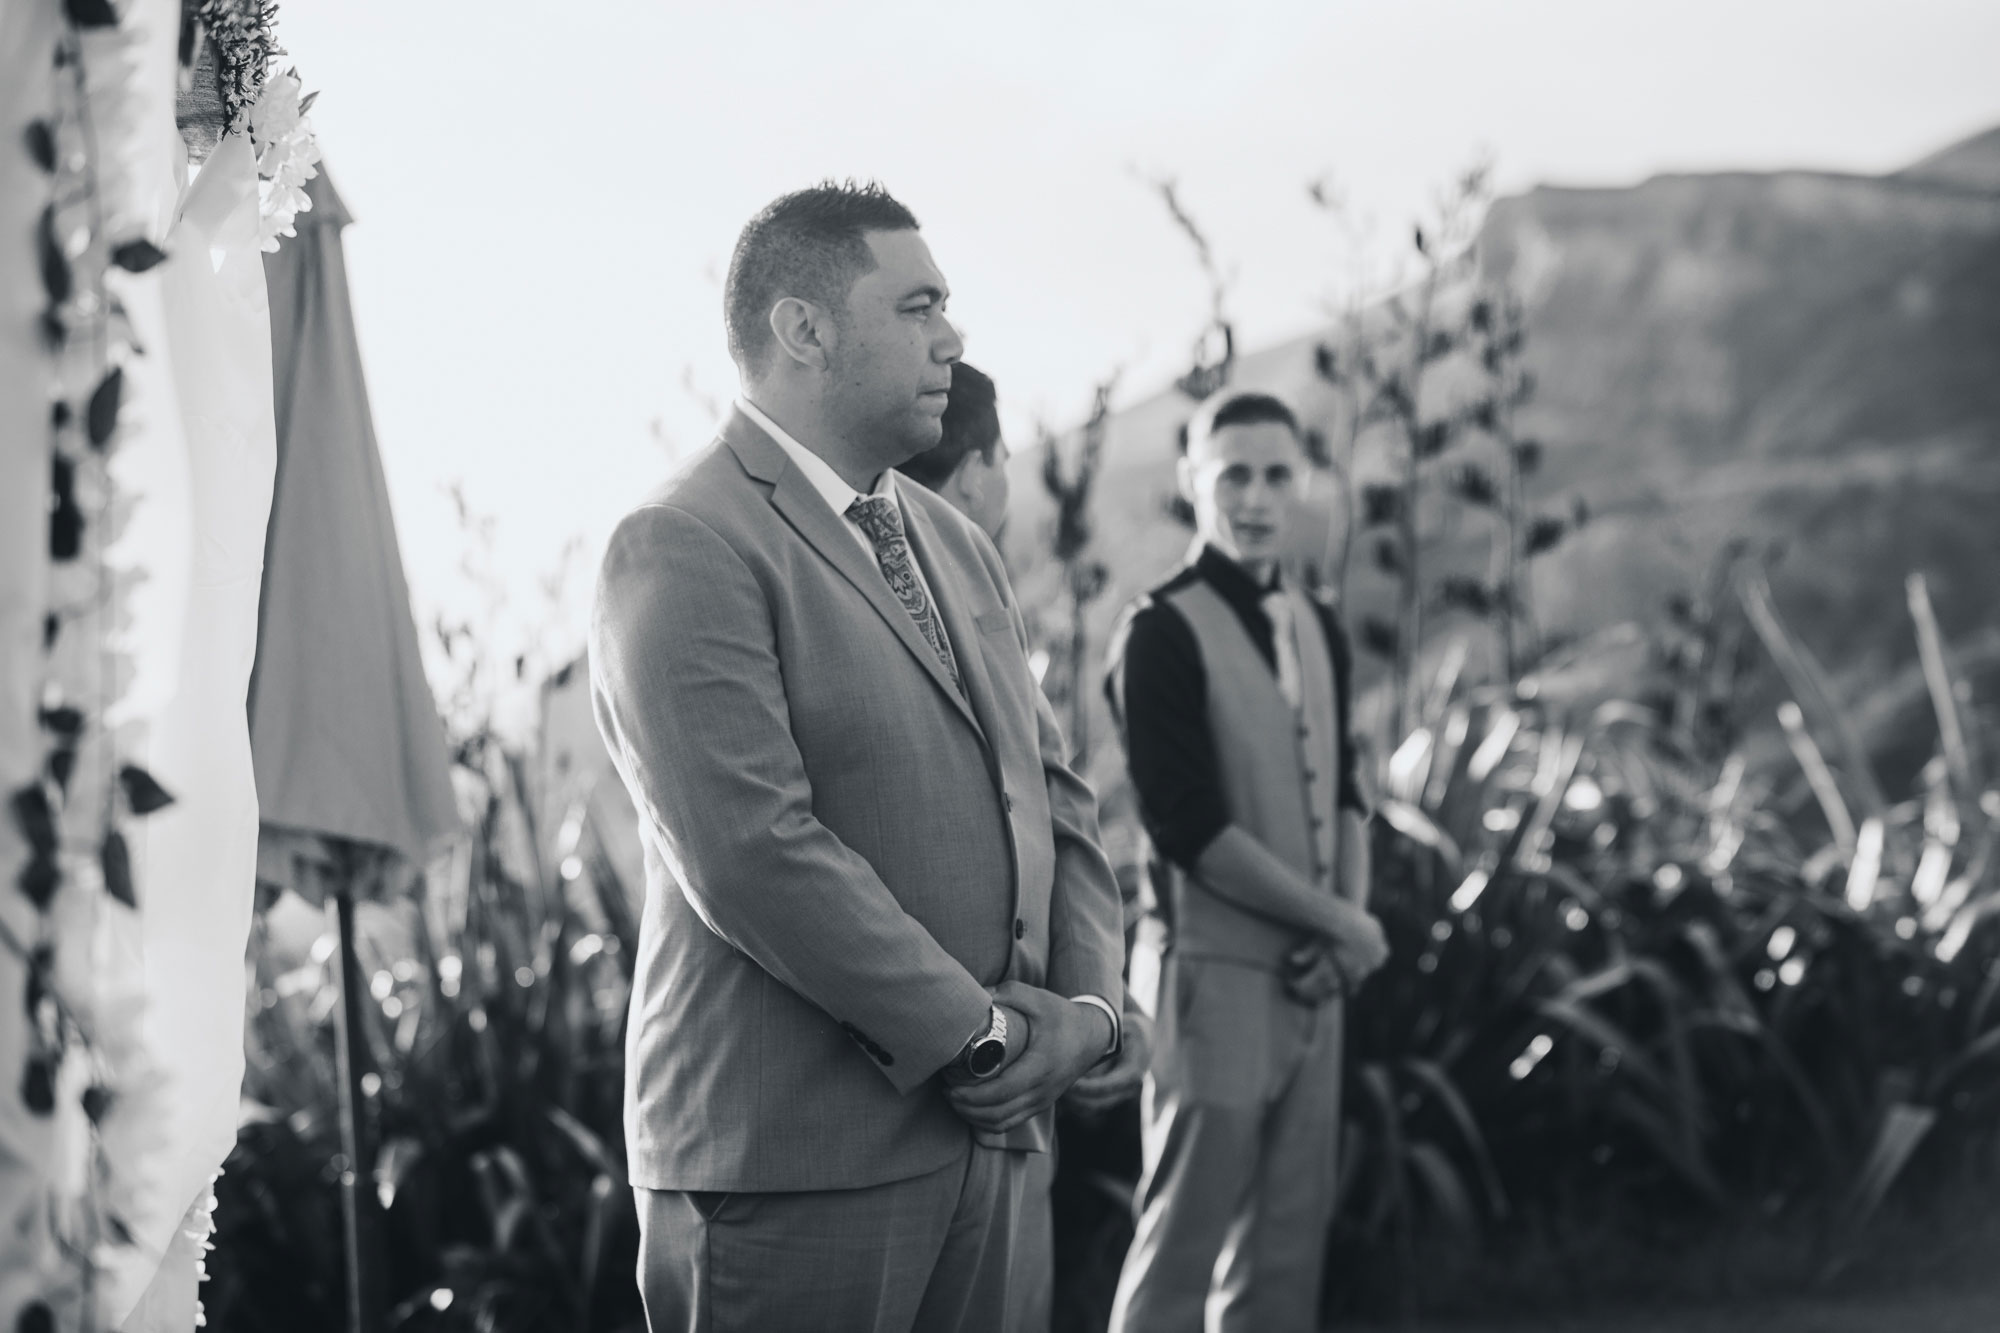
{"x": 1184, "y": 477}
{"x": 959, "y": 483}
{"x": 803, "y": 331}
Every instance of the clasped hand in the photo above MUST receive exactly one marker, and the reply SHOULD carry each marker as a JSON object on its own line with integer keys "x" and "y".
{"x": 1324, "y": 968}
{"x": 1058, "y": 1039}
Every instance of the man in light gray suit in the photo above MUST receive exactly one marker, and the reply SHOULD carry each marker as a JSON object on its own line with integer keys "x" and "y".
{"x": 880, "y": 937}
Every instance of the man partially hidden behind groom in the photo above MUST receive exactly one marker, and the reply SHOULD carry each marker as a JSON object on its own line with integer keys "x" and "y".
{"x": 880, "y": 936}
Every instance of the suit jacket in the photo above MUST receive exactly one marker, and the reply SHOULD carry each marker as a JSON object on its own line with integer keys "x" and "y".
{"x": 842, "y": 852}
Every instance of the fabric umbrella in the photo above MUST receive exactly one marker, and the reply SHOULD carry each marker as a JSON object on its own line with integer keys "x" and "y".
{"x": 344, "y": 730}
{"x": 350, "y": 757}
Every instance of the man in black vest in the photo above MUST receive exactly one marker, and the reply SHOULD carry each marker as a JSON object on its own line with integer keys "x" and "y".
{"x": 1230, "y": 688}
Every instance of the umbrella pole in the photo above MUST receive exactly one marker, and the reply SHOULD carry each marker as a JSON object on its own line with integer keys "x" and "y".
{"x": 347, "y": 1018}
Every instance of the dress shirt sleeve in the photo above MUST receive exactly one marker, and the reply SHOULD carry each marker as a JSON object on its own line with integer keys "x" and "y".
{"x": 1117, "y": 1024}
{"x": 1159, "y": 696}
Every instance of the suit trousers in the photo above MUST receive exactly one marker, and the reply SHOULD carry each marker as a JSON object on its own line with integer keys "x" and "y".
{"x": 931, "y": 1254}
{"x": 1035, "y": 1252}
{"x": 1240, "y": 1118}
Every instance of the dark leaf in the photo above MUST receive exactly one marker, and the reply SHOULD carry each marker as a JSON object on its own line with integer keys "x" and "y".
{"x": 1327, "y": 363}
{"x": 120, "y": 1233}
{"x": 97, "y": 1100}
{"x": 1389, "y": 556}
{"x": 35, "y": 818}
{"x": 1433, "y": 439}
{"x": 40, "y": 879}
{"x": 36, "y": 1317}
{"x": 91, "y": 13}
{"x": 141, "y": 791}
{"x": 62, "y": 762}
{"x": 117, "y": 862}
{"x": 54, "y": 333}
{"x": 1422, "y": 244}
{"x": 1381, "y": 503}
{"x": 1527, "y": 456}
{"x": 51, "y": 630}
{"x": 1318, "y": 448}
{"x": 1439, "y": 346}
{"x": 1472, "y": 484}
{"x": 1378, "y": 636}
{"x": 63, "y": 721}
{"x": 138, "y": 256}
{"x": 41, "y": 139}
{"x": 102, "y": 416}
{"x": 1465, "y": 594}
{"x": 306, "y": 102}
{"x": 41, "y": 961}
{"x": 57, "y": 280}
{"x": 65, "y": 531}
{"x": 1544, "y": 533}
{"x": 1484, "y": 414}
{"x": 59, "y": 414}
{"x": 1579, "y": 512}
{"x": 38, "y": 1084}
{"x": 1482, "y": 315}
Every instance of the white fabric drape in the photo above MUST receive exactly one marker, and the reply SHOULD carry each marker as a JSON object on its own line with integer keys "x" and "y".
{"x": 198, "y": 858}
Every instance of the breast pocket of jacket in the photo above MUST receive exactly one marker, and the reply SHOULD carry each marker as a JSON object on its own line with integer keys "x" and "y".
{"x": 994, "y": 622}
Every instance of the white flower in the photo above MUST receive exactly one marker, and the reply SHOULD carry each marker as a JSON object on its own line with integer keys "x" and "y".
{"x": 282, "y": 136}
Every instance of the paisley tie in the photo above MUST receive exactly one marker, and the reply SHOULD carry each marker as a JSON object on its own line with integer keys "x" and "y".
{"x": 878, "y": 517}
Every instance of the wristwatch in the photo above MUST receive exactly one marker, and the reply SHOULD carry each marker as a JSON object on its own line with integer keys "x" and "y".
{"x": 984, "y": 1054}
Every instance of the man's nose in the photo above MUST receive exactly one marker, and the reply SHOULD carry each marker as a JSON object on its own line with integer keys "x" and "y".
{"x": 949, "y": 346}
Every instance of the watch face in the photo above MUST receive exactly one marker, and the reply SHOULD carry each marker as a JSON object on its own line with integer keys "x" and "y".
{"x": 985, "y": 1057}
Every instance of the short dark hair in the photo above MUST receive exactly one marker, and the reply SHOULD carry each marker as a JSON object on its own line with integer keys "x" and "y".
{"x": 971, "y": 421}
{"x": 810, "y": 244}
{"x": 1238, "y": 407}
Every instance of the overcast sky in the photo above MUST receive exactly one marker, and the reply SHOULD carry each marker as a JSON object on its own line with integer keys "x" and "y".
{"x": 545, "y": 196}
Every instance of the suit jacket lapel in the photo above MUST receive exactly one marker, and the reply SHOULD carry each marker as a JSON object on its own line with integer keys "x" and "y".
{"x": 827, "y": 533}
{"x": 954, "y": 605}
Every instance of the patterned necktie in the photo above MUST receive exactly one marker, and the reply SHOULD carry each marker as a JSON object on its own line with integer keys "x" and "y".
{"x": 878, "y": 517}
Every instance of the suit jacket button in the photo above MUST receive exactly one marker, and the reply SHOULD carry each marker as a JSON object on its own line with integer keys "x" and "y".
{"x": 1020, "y": 928}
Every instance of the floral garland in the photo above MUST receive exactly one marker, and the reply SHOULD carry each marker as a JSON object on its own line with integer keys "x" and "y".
{"x": 244, "y": 50}
{"x": 87, "y": 1068}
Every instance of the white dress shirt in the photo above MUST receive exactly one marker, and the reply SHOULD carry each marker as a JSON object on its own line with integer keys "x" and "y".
{"x": 839, "y": 496}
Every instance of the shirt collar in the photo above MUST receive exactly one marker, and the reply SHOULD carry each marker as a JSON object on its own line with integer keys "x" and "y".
{"x": 1231, "y": 579}
{"x": 816, "y": 470}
